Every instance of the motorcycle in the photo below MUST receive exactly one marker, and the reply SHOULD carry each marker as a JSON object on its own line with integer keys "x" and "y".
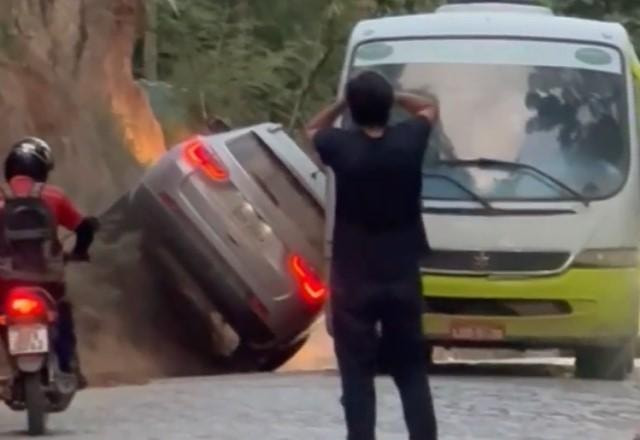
{"x": 37, "y": 385}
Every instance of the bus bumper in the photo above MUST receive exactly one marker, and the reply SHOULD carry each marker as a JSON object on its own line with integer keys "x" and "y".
{"x": 581, "y": 307}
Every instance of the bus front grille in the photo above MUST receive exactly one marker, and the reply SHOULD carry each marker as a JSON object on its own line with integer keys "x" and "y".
{"x": 487, "y": 262}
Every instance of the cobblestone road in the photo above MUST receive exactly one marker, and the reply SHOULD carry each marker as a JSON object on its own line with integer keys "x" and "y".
{"x": 305, "y": 406}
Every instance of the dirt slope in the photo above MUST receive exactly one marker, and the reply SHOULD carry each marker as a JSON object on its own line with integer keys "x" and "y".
{"x": 65, "y": 75}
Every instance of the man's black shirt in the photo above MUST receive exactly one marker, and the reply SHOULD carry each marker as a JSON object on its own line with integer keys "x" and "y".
{"x": 378, "y": 232}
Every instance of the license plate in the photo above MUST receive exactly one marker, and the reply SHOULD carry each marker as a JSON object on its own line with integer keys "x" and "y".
{"x": 28, "y": 339}
{"x": 471, "y": 331}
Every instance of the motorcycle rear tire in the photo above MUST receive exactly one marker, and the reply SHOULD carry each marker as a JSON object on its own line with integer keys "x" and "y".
{"x": 35, "y": 402}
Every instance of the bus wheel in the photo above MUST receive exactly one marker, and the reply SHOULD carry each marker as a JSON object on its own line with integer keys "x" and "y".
{"x": 605, "y": 363}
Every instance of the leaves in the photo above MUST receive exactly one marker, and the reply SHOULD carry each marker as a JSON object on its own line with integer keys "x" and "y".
{"x": 249, "y": 68}
{"x": 279, "y": 60}
{"x": 626, "y": 12}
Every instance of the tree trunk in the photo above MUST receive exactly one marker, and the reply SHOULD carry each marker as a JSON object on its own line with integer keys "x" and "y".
{"x": 151, "y": 41}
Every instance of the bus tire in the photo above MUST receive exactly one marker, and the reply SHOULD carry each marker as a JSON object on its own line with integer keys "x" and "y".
{"x": 605, "y": 363}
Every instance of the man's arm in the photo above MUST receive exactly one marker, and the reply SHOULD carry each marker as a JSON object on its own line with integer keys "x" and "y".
{"x": 85, "y": 233}
{"x": 325, "y": 118}
{"x": 85, "y": 228}
{"x": 419, "y": 106}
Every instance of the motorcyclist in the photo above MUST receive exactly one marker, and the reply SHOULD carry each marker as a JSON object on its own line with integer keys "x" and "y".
{"x": 27, "y": 166}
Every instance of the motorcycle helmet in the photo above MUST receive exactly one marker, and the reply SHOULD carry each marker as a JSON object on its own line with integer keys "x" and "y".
{"x": 31, "y": 157}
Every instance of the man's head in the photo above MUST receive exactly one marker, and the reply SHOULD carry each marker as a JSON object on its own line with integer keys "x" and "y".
{"x": 370, "y": 98}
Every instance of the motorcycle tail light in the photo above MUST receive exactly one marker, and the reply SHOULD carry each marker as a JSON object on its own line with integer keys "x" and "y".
{"x": 310, "y": 286}
{"x": 24, "y": 304}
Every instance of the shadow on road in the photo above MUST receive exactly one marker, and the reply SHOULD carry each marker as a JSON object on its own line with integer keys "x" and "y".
{"x": 537, "y": 369}
{"x": 487, "y": 369}
{"x": 16, "y": 434}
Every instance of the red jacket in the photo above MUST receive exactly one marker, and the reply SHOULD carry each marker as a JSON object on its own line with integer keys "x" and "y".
{"x": 64, "y": 211}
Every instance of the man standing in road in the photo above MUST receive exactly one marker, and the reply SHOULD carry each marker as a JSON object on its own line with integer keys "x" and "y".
{"x": 378, "y": 238}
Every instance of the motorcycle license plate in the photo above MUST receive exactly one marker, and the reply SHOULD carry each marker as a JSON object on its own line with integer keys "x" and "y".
{"x": 28, "y": 339}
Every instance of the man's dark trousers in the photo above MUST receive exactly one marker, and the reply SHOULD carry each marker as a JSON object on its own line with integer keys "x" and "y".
{"x": 357, "y": 306}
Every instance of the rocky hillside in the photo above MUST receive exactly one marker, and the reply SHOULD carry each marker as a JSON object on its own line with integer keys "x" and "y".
{"x": 65, "y": 75}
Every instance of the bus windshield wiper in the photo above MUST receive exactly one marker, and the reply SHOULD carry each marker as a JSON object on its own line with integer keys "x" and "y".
{"x": 494, "y": 163}
{"x": 475, "y": 196}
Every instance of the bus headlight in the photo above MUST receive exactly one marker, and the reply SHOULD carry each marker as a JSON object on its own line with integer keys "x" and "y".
{"x": 607, "y": 258}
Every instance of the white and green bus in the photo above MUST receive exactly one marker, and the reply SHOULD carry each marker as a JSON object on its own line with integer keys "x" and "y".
{"x": 531, "y": 193}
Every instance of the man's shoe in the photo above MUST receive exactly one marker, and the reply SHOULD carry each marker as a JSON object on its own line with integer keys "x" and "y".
{"x": 82, "y": 380}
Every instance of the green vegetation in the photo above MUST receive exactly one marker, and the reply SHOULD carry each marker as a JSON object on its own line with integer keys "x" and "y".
{"x": 278, "y": 60}
{"x": 626, "y": 12}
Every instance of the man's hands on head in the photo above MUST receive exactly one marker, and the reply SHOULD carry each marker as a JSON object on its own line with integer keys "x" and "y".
{"x": 426, "y": 107}
{"x": 325, "y": 118}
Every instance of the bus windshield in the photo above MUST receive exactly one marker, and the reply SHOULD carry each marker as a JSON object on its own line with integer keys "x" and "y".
{"x": 559, "y": 109}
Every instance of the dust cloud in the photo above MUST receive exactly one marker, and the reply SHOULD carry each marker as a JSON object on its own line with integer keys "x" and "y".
{"x": 126, "y": 329}
{"x": 317, "y": 353}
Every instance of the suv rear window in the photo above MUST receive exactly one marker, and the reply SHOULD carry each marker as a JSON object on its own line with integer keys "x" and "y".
{"x": 280, "y": 185}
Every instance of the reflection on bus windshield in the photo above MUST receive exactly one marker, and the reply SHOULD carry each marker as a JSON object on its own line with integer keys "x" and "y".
{"x": 568, "y": 122}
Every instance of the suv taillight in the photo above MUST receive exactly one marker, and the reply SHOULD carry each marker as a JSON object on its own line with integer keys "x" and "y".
{"x": 310, "y": 286}
{"x": 197, "y": 155}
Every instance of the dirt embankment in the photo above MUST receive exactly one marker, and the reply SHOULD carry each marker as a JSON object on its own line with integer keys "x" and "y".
{"x": 65, "y": 71}
{"x": 65, "y": 76}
